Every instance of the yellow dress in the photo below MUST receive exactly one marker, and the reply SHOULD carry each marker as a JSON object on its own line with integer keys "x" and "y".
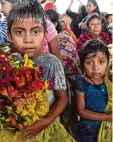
{"x": 105, "y": 132}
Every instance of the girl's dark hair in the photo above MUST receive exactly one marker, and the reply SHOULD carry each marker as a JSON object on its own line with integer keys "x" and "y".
{"x": 92, "y": 46}
{"x": 54, "y": 18}
{"x": 92, "y": 17}
{"x": 95, "y": 4}
{"x": 26, "y": 8}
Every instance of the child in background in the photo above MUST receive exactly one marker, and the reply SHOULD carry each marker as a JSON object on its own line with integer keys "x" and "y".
{"x": 92, "y": 92}
{"x": 50, "y": 43}
{"x": 28, "y": 38}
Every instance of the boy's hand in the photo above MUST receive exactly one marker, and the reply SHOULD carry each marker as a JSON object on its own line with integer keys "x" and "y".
{"x": 35, "y": 128}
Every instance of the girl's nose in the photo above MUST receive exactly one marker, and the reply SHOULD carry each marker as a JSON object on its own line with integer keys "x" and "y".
{"x": 95, "y": 66}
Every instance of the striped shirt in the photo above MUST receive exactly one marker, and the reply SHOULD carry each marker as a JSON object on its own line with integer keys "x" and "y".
{"x": 3, "y": 31}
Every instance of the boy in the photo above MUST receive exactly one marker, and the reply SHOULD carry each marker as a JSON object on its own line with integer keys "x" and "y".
{"x": 28, "y": 38}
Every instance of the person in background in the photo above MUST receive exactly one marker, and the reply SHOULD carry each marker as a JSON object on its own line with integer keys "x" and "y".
{"x": 92, "y": 9}
{"x": 71, "y": 63}
{"x": 68, "y": 30}
{"x": 93, "y": 95}
{"x": 49, "y": 4}
{"x": 76, "y": 18}
{"x": 23, "y": 38}
{"x": 94, "y": 27}
{"x": 108, "y": 20}
{"x": 50, "y": 43}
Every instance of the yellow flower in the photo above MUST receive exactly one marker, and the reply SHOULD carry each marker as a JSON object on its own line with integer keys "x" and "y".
{"x": 27, "y": 62}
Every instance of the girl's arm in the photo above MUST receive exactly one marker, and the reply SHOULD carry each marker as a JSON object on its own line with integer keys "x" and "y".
{"x": 86, "y": 113}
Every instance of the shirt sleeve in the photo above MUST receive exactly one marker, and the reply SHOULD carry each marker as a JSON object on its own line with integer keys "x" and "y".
{"x": 59, "y": 79}
{"x": 79, "y": 84}
{"x": 52, "y": 33}
{"x": 3, "y": 31}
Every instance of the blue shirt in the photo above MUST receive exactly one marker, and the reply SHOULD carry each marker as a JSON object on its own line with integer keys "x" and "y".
{"x": 95, "y": 98}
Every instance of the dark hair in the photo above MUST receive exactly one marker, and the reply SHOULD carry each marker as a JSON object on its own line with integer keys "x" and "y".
{"x": 92, "y": 46}
{"x": 26, "y": 8}
{"x": 54, "y": 18}
{"x": 11, "y": 1}
{"x": 108, "y": 15}
{"x": 92, "y": 17}
{"x": 95, "y": 4}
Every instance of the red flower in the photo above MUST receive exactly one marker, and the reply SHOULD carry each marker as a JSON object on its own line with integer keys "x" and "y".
{"x": 37, "y": 84}
{"x": 12, "y": 92}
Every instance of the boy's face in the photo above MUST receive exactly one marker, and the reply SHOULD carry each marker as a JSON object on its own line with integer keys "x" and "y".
{"x": 27, "y": 36}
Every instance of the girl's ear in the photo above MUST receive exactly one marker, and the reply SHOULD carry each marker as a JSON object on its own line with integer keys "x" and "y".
{"x": 9, "y": 37}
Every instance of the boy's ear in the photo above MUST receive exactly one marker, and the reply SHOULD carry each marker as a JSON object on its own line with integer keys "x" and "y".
{"x": 9, "y": 37}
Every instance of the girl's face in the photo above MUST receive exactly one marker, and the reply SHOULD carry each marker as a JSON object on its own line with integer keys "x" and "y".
{"x": 90, "y": 7}
{"x": 96, "y": 65}
{"x": 27, "y": 36}
{"x": 6, "y": 7}
{"x": 95, "y": 26}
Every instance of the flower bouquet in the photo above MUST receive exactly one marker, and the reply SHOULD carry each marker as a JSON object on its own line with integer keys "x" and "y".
{"x": 23, "y": 92}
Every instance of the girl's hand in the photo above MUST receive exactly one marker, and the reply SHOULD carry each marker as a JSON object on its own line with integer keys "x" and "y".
{"x": 35, "y": 128}
{"x": 109, "y": 117}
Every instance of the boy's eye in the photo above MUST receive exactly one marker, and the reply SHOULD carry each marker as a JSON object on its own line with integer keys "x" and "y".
{"x": 19, "y": 32}
{"x": 36, "y": 31}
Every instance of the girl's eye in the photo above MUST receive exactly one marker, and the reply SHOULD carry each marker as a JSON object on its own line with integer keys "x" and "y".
{"x": 88, "y": 62}
{"x": 102, "y": 62}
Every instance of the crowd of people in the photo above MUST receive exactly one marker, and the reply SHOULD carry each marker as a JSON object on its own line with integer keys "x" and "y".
{"x": 74, "y": 58}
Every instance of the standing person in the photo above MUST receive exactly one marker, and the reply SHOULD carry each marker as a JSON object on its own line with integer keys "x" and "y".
{"x": 23, "y": 38}
{"x": 76, "y": 18}
{"x": 93, "y": 92}
{"x": 50, "y": 42}
{"x": 92, "y": 9}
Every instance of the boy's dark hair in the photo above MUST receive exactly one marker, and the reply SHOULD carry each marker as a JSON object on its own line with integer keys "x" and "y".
{"x": 26, "y": 8}
{"x": 92, "y": 46}
{"x": 95, "y": 4}
{"x": 92, "y": 17}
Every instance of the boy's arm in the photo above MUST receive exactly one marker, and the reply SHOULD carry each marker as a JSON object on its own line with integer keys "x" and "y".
{"x": 86, "y": 113}
{"x": 58, "y": 106}
{"x": 55, "y": 111}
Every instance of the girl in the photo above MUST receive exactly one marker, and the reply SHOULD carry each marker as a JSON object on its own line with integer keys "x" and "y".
{"x": 23, "y": 38}
{"x": 92, "y": 92}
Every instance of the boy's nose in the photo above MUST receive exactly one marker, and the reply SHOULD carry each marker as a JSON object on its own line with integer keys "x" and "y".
{"x": 28, "y": 38}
